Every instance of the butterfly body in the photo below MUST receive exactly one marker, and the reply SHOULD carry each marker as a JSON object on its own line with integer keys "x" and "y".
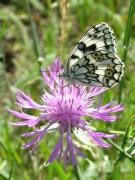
{"x": 94, "y": 60}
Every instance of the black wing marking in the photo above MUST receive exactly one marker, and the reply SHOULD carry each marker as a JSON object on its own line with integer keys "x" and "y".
{"x": 99, "y": 37}
{"x": 101, "y": 68}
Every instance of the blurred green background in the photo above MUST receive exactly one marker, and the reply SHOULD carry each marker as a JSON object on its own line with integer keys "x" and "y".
{"x": 40, "y": 28}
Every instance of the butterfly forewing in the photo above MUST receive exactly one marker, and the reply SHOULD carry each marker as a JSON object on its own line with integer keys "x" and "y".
{"x": 99, "y": 37}
{"x": 94, "y": 60}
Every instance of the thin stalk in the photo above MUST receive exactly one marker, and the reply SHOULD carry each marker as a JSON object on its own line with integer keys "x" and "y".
{"x": 119, "y": 133}
{"x": 111, "y": 132}
{"x": 121, "y": 150}
{"x": 126, "y": 41}
{"x": 36, "y": 45}
{"x": 63, "y": 22}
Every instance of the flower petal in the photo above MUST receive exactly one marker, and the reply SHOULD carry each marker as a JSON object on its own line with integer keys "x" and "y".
{"x": 71, "y": 149}
{"x": 56, "y": 151}
{"x": 94, "y": 90}
{"x": 25, "y": 101}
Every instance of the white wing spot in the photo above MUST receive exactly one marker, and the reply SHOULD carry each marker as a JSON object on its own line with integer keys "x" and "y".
{"x": 73, "y": 61}
{"x": 100, "y": 72}
{"x": 78, "y": 53}
{"x": 111, "y": 82}
{"x": 116, "y": 76}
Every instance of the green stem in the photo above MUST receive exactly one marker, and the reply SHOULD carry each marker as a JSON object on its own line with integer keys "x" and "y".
{"x": 119, "y": 133}
{"x": 121, "y": 150}
{"x": 111, "y": 132}
{"x": 37, "y": 48}
{"x": 126, "y": 41}
{"x": 76, "y": 173}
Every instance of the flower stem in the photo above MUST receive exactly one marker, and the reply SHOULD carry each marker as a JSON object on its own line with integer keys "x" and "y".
{"x": 77, "y": 173}
{"x": 126, "y": 40}
{"x": 121, "y": 150}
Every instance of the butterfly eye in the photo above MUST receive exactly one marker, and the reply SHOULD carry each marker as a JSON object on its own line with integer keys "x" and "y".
{"x": 61, "y": 74}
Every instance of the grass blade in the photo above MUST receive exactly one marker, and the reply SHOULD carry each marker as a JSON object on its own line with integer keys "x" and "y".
{"x": 37, "y": 48}
{"x": 125, "y": 138}
{"x": 127, "y": 40}
{"x": 121, "y": 150}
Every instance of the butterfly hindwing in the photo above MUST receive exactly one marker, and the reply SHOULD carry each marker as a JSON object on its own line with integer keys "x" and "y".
{"x": 100, "y": 68}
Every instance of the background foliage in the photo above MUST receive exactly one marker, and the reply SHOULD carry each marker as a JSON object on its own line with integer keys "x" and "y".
{"x": 50, "y": 28}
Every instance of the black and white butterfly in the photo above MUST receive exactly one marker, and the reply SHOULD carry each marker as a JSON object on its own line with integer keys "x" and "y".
{"x": 94, "y": 60}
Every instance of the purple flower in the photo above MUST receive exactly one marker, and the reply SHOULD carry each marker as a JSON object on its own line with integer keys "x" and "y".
{"x": 64, "y": 109}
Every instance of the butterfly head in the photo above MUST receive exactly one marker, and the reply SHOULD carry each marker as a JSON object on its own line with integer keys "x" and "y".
{"x": 67, "y": 77}
{"x": 63, "y": 74}
{"x": 60, "y": 74}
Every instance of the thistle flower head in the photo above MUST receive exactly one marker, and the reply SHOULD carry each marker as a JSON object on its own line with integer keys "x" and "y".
{"x": 64, "y": 109}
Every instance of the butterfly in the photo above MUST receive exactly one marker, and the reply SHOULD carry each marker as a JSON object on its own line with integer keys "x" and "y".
{"x": 94, "y": 59}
